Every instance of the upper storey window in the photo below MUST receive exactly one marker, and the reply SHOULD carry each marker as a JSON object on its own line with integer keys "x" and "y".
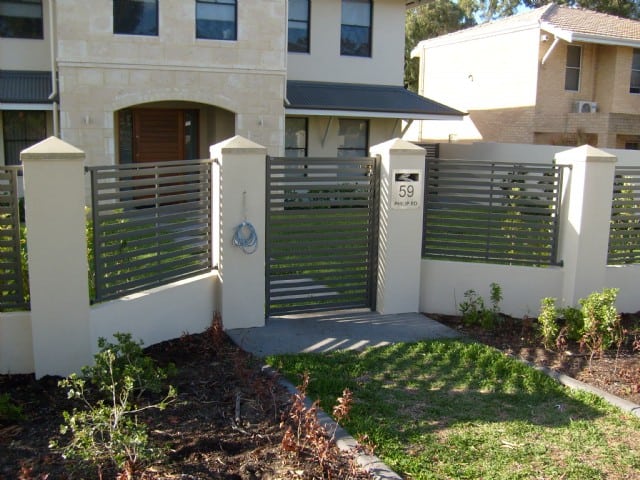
{"x": 135, "y": 17}
{"x": 634, "y": 86}
{"x": 355, "y": 37}
{"x": 217, "y": 19}
{"x": 299, "y": 26}
{"x": 572, "y": 71}
{"x": 21, "y": 19}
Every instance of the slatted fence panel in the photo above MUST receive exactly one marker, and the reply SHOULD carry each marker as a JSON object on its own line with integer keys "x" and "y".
{"x": 491, "y": 212}
{"x": 151, "y": 225}
{"x": 13, "y": 285}
{"x": 624, "y": 232}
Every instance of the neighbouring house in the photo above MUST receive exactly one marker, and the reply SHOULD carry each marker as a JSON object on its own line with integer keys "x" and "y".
{"x": 553, "y": 75}
{"x": 151, "y": 80}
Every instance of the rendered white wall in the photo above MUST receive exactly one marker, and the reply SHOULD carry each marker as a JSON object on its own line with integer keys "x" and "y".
{"x": 324, "y": 62}
{"x": 443, "y": 284}
{"x": 158, "y": 314}
{"x": 16, "y": 346}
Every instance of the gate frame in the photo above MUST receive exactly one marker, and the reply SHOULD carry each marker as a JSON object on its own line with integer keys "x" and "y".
{"x": 372, "y": 234}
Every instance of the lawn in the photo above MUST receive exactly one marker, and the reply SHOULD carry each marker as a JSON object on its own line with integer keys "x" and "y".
{"x": 451, "y": 409}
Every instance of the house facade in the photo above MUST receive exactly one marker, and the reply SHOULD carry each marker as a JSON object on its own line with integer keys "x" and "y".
{"x": 151, "y": 80}
{"x": 553, "y": 75}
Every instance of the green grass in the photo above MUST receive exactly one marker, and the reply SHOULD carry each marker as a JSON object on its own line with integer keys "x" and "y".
{"x": 456, "y": 410}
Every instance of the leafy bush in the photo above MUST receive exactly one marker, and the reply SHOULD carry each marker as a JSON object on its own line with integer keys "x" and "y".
{"x": 602, "y": 329}
{"x": 548, "y": 321}
{"x": 106, "y": 428}
{"x": 596, "y": 325}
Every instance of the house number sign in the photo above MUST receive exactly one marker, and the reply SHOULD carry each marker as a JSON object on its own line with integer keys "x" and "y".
{"x": 406, "y": 189}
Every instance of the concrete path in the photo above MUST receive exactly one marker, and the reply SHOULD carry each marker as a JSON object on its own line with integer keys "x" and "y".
{"x": 346, "y": 330}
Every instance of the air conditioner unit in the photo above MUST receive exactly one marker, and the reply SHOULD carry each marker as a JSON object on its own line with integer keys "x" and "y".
{"x": 586, "y": 107}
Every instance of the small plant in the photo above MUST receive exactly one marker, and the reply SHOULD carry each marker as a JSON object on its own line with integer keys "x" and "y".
{"x": 9, "y": 411}
{"x": 107, "y": 429}
{"x": 548, "y": 320}
{"x": 474, "y": 311}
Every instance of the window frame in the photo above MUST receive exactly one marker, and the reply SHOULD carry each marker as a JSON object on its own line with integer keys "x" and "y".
{"x": 341, "y": 149}
{"x": 289, "y": 149}
{"x": 306, "y": 22}
{"x": 233, "y": 3}
{"x": 573, "y": 68}
{"x": 369, "y": 47}
{"x": 635, "y": 68}
{"x": 25, "y": 140}
{"x": 11, "y": 30}
{"x": 118, "y": 28}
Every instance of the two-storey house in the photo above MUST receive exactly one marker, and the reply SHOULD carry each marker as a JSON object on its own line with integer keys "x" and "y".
{"x": 553, "y": 75}
{"x": 152, "y": 80}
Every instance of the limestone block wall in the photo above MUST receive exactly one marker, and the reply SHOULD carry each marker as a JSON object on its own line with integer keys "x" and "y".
{"x": 101, "y": 73}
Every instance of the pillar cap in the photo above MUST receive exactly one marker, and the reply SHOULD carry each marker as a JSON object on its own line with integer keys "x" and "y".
{"x": 237, "y": 144}
{"x": 584, "y": 154}
{"x": 398, "y": 146}
{"x": 52, "y": 148}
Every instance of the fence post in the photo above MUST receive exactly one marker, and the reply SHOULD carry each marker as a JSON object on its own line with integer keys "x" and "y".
{"x": 586, "y": 214}
{"x": 401, "y": 207}
{"x": 242, "y": 198}
{"x": 56, "y": 244}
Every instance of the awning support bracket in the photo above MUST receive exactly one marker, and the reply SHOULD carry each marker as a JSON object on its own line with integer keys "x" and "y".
{"x": 326, "y": 132}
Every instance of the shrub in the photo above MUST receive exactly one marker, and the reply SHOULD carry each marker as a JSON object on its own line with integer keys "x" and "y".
{"x": 602, "y": 329}
{"x": 106, "y": 428}
{"x": 596, "y": 325}
{"x": 548, "y": 321}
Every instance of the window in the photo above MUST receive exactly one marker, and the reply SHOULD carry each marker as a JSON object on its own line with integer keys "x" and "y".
{"x": 295, "y": 137}
{"x": 353, "y": 138}
{"x": 21, "y": 129}
{"x": 135, "y": 17}
{"x": 634, "y": 86}
{"x": 21, "y": 19}
{"x": 355, "y": 35}
{"x": 298, "y": 26}
{"x": 632, "y": 146}
{"x": 572, "y": 71}
{"x": 216, "y": 19}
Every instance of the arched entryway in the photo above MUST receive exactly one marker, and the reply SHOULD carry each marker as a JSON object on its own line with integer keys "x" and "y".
{"x": 165, "y": 131}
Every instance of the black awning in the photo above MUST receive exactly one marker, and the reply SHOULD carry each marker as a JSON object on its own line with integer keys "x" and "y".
{"x": 381, "y": 100}
{"x": 17, "y": 86}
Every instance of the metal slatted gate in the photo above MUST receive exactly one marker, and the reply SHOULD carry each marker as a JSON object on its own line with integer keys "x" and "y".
{"x": 322, "y": 229}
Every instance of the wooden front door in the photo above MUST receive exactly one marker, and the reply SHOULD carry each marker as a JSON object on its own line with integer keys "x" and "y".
{"x": 158, "y": 134}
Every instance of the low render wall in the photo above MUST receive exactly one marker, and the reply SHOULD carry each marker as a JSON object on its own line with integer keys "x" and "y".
{"x": 16, "y": 345}
{"x": 159, "y": 314}
{"x": 444, "y": 283}
{"x": 152, "y": 316}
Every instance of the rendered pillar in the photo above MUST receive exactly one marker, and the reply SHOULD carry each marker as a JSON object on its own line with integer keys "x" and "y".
{"x": 57, "y": 249}
{"x": 401, "y": 206}
{"x": 242, "y": 197}
{"x": 586, "y": 215}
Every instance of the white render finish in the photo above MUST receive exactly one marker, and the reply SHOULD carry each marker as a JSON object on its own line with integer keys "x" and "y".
{"x": 242, "y": 197}
{"x": 325, "y": 64}
{"x": 55, "y": 218}
{"x": 399, "y": 250}
{"x": 586, "y": 214}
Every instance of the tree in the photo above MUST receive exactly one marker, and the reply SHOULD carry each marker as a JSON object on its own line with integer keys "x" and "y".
{"x": 431, "y": 20}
